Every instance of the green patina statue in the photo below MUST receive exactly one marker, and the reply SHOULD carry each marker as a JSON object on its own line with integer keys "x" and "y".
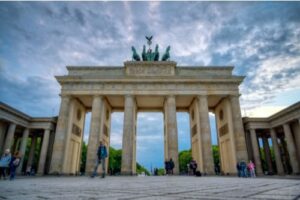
{"x": 166, "y": 56}
{"x": 135, "y": 56}
{"x": 149, "y": 55}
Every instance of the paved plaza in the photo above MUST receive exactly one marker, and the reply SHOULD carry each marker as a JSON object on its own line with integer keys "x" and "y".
{"x": 175, "y": 187}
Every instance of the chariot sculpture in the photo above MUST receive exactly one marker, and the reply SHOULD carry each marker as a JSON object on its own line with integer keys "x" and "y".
{"x": 149, "y": 55}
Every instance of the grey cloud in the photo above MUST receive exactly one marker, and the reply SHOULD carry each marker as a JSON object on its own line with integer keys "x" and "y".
{"x": 80, "y": 17}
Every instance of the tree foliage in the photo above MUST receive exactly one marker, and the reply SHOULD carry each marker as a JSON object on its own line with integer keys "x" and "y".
{"x": 185, "y": 157}
{"x": 115, "y": 160}
{"x": 83, "y": 157}
{"x": 140, "y": 169}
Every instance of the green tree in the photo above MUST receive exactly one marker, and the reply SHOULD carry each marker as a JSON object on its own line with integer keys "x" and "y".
{"x": 216, "y": 154}
{"x": 140, "y": 169}
{"x": 115, "y": 159}
{"x": 185, "y": 157}
{"x": 161, "y": 172}
{"x": 83, "y": 157}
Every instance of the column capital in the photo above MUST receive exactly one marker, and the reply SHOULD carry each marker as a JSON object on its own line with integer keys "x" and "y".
{"x": 65, "y": 95}
{"x": 234, "y": 96}
{"x": 202, "y": 96}
{"x": 170, "y": 96}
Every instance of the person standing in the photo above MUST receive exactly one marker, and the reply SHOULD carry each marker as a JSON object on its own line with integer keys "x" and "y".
{"x": 251, "y": 168}
{"x": 238, "y": 168}
{"x": 243, "y": 166}
{"x": 172, "y": 165}
{"x": 4, "y": 163}
{"x": 101, "y": 155}
{"x": 167, "y": 167}
{"x": 193, "y": 166}
{"x": 13, "y": 165}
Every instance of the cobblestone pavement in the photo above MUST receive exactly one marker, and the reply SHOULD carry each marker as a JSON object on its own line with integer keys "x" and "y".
{"x": 171, "y": 187}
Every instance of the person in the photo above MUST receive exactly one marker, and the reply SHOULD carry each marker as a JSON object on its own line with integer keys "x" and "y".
{"x": 4, "y": 163}
{"x": 238, "y": 167}
{"x": 193, "y": 166}
{"x": 13, "y": 165}
{"x": 251, "y": 168}
{"x": 167, "y": 167}
{"x": 101, "y": 155}
{"x": 243, "y": 166}
{"x": 172, "y": 165}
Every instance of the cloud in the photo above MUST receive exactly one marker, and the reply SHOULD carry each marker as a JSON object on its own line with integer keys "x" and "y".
{"x": 38, "y": 39}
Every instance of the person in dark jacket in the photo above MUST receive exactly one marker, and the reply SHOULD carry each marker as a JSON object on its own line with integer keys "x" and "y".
{"x": 13, "y": 165}
{"x": 172, "y": 165}
{"x": 101, "y": 155}
{"x": 193, "y": 166}
{"x": 167, "y": 167}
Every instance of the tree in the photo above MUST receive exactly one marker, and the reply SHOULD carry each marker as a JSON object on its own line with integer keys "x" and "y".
{"x": 140, "y": 169}
{"x": 185, "y": 158}
{"x": 216, "y": 154}
{"x": 83, "y": 157}
{"x": 115, "y": 159}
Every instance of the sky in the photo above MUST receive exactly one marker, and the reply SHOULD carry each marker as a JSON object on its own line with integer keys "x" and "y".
{"x": 261, "y": 39}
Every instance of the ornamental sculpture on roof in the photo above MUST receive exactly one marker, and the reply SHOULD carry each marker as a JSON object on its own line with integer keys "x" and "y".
{"x": 150, "y": 55}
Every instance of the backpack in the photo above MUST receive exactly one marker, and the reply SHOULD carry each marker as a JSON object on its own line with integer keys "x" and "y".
{"x": 198, "y": 173}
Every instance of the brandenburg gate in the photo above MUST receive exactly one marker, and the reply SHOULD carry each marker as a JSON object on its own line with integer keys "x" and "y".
{"x": 149, "y": 86}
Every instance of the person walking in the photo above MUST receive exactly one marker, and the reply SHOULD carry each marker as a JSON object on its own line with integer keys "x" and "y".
{"x": 251, "y": 168}
{"x": 101, "y": 155}
{"x": 13, "y": 165}
{"x": 4, "y": 163}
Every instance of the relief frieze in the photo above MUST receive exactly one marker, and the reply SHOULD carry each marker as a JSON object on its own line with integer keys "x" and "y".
{"x": 147, "y": 87}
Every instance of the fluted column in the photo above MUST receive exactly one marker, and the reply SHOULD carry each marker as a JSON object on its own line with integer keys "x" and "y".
{"x": 276, "y": 149}
{"x": 43, "y": 153}
{"x": 297, "y": 140}
{"x": 9, "y": 136}
{"x": 97, "y": 109}
{"x": 129, "y": 131}
{"x": 23, "y": 148}
{"x": 2, "y": 135}
{"x": 31, "y": 151}
{"x": 267, "y": 154}
{"x": 208, "y": 162}
{"x": 291, "y": 148}
{"x": 60, "y": 135}
{"x": 238, "y": 129}
{"x": 171, "y": 131}
{"x": 256, "y": 154}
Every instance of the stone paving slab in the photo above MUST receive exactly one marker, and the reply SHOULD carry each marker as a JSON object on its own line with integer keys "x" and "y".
{"x": 149, "y": 188}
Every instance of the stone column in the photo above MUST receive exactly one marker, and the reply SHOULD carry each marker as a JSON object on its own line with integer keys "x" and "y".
{"x": 267, "y": 154}
{"x": 93, "y": 143}
{"x": 9, "y": 136}
{"x": 23, "y": 149}
{"x": 31, "y": 151}
{"x": 171, "y": 131}
{"x": 256, "y": 154}
{"x": 297, "y": 140}
{"x": 291, "y": 148}
{"x": 129, "y": 129}
{"x": 2, "y": 135}
{"x": 276, "y": 149}
{"x": 238, "y": 129}
{"x": 43, "y": 153}
{"x": 61, "y": 130}
{"x": 208, "y": 162}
